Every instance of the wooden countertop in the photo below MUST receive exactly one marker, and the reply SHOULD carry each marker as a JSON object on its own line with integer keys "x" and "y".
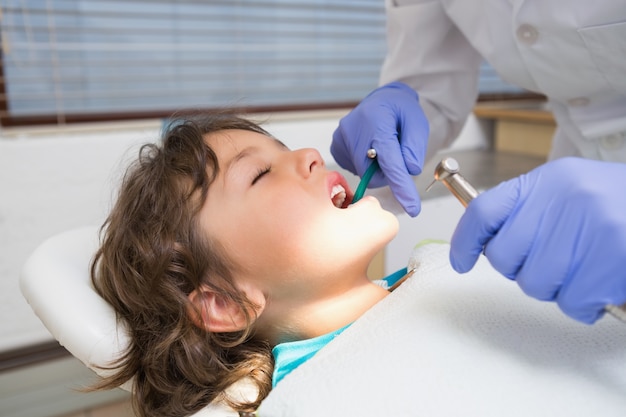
{"x": 520, "y": 110}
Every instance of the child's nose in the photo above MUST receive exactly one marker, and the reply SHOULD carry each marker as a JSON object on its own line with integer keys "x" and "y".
{"x": 308, "y": 160}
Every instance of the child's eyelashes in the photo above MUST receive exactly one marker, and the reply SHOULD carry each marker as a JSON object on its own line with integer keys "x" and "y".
{"x": 260, "y": 173}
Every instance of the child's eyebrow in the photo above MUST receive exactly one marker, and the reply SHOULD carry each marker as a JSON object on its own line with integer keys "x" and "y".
{"x": 240, "y": 156}
{"x": 250, "y": 150}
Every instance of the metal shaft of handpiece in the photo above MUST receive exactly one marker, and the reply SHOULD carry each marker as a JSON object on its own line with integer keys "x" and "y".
{"x": 460, "y": 188}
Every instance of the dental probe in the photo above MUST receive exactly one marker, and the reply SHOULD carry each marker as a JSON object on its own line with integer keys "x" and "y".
{"x": 447, "y": 171}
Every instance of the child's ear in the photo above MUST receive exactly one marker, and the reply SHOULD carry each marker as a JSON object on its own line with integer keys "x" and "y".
{"x": 215, "y": 312}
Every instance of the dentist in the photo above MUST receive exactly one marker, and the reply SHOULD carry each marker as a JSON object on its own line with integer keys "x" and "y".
{"x": 559, "y": 230}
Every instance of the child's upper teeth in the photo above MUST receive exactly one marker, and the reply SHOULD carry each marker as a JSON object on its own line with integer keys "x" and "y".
{"x": 338, "y": 195}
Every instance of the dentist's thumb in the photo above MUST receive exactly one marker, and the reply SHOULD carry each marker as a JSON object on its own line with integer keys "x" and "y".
{"x": 481, "y": 221}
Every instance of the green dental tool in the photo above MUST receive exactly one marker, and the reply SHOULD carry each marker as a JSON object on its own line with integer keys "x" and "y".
{"x": 369, "y": 173}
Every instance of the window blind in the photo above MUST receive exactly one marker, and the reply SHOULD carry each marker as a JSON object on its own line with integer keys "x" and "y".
{"x": 91, "y": 59}
{"x": 66, "y": 57}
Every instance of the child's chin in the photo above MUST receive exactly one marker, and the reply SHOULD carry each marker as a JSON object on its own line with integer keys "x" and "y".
{"x": 385, "y": 223}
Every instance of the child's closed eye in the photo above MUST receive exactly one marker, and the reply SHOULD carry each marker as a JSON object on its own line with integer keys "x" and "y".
{"x": 260, "y": 173}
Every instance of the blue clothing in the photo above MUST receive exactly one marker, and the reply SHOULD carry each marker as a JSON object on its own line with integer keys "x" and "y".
{"x": 288, "y": 356}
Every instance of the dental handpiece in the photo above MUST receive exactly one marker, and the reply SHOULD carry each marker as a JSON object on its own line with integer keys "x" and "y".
{"x": 447, "y": 171}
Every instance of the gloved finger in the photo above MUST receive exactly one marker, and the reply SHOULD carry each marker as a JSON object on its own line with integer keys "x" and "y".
{"x": 388, "y": 154}
{"x": 584, "y": 300}
{"x": 553, "y": 246}
{"x": 582, "y": 304}
{"x": 541, "y": 274}
{"x": 481, "y": 221}
{"x": 340, "y": 152}
{"x": 591, "y": 283}
{"x": 399, "y": 179}
{"x": 414, "y": 130}
{"x": 547, "y": 269}
{"x": 508, "y": 249}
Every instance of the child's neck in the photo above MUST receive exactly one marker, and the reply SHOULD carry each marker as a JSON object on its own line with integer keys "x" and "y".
{"x": 317, "y": 318}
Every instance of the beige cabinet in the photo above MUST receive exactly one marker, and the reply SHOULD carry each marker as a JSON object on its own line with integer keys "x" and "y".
{"x": 524, "y": 126}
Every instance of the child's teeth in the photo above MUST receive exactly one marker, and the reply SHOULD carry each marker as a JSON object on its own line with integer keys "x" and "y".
{"x": 336, "y": 190}
{"x": 338, "y": 195}
{"x": 339, "y": 199}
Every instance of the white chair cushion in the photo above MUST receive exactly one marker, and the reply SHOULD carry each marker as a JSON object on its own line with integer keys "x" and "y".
{"x": 56, "y": 283}
{"x": 55, "y": 280}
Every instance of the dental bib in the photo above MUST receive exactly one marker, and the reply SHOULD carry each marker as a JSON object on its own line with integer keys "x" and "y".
{"x": 445, "y": 344}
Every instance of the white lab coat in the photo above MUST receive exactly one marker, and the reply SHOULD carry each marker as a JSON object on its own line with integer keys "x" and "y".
{"x": 573, "y": 51}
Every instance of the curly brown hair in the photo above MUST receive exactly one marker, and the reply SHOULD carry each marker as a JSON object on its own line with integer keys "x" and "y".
{"x": 153, "y": 254}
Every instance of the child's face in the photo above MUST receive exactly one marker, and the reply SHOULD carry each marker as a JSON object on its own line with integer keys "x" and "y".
{"x": 271, "y": 209}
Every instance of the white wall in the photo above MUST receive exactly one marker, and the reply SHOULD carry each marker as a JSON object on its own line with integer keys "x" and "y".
{"x": 55, "y": 180}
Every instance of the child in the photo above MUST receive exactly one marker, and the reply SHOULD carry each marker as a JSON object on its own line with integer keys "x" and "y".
{"x": 222, "y": 245}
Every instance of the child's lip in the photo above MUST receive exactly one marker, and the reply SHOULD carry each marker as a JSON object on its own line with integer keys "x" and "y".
{"x": 335, "y": 178}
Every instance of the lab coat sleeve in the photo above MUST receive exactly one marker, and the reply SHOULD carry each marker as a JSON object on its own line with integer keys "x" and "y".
{"x": 427, "y": 51}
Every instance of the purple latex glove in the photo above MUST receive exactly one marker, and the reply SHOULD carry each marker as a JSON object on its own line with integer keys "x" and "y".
{"x": 390, "y": 120}
{"x": 559, "y": 231}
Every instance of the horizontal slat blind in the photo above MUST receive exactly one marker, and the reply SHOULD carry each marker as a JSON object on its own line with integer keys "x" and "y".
{"x": 92, "y": 56}
{"x": 95, "y": 57}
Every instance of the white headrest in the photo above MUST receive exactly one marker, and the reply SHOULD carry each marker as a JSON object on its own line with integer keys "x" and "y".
{"x": 55, "y": 280}
{"x": 56, "y": 283}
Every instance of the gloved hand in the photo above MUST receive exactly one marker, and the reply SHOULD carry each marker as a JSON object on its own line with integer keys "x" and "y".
{"x": 559, "y": 231}
{"x": 390, "y": 120}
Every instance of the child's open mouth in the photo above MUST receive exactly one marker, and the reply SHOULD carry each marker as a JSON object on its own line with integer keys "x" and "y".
{"x": 338, "y": 195}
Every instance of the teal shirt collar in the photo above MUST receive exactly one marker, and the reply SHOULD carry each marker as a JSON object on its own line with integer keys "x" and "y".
{"x": 288, "y": 356}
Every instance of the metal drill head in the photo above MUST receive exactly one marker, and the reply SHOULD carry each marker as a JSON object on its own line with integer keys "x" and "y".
{"x": 446, "y": 168}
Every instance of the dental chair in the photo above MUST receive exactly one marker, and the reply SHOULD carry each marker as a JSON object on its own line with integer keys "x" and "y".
{"x": 440, "y": 345}
{"x": 55, "y": 281}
